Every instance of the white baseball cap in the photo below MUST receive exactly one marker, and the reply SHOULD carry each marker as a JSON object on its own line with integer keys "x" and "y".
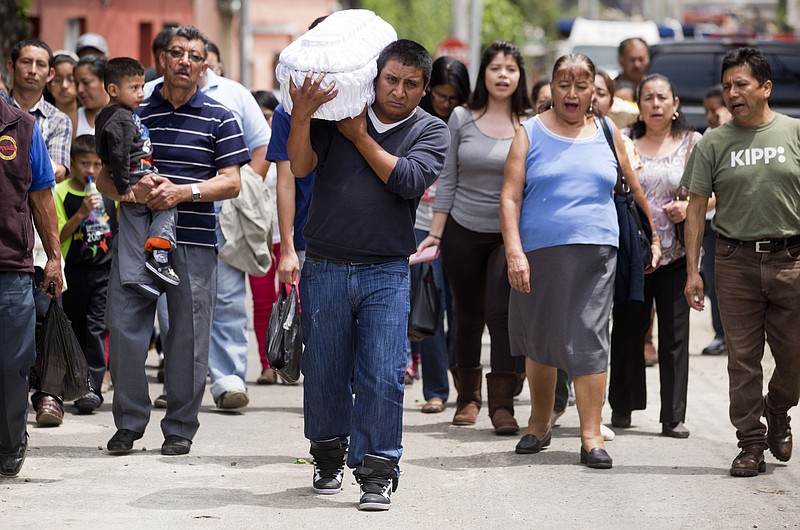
{"x": 91, "y": 40}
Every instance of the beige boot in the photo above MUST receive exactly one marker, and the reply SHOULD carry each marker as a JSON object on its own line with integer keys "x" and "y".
{"x": 468, "y": 403}
{"x": 500, "y": 388}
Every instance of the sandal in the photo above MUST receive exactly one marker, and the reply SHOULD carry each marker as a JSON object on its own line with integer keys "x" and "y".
{"x": 433, "y": 406}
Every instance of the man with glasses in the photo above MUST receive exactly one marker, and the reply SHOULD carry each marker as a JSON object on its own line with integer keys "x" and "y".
{"x": 227, "y": 356}
{"x": 198, "y": 148}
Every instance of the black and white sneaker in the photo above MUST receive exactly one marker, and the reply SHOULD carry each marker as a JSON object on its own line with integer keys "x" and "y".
{"x": 163, "y": 271}
{"x": 329, "y": 457}
{"x": 378, "y": 480}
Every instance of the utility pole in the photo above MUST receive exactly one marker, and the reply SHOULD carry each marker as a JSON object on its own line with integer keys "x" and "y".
{"x": 476, "y": 24}
{"x": 245, "y": 45}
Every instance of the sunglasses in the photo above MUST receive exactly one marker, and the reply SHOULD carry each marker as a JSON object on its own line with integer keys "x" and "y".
{"x": 176, "y": 53}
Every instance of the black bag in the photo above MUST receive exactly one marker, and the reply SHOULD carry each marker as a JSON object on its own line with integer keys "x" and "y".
{"x": 635, "y": 215}
{"x": 61, "y": 368}
{"x": 285, "y": 335}
{"x": 423, "y": 320}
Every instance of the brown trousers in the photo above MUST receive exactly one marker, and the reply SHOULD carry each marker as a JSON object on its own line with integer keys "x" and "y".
{"x": 759, "y": 298}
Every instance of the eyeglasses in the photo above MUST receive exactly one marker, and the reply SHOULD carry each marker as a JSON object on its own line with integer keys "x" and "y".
{"x": 176, "y": 53}
{"x": 441, "y": 98}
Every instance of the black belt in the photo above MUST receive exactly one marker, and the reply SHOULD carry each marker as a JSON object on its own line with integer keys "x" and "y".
{"x": 331, "y": 260}
{"x": 765, "y": 245}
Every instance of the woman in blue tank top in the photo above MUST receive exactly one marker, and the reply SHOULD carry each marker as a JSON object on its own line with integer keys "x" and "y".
{"x": 561, "y": 235}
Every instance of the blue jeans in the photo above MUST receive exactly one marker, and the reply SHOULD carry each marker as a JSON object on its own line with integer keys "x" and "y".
{"x": 435, "y": 360}
{"x": 17, "y": 331}
{"x": 355, "y": 325}
{"x": 227, "y": 356}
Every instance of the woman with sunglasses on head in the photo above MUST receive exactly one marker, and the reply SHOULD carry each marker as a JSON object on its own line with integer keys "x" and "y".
{"x": 448, "y": 89}
{"x": 467, "y": 227}
{"x": 664, "y": 141}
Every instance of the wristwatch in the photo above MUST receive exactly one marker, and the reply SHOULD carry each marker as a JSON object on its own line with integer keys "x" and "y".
{"x": 196, "y": 195}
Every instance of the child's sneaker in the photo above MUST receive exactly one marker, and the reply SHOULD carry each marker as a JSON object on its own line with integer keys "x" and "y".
{"x": 158, "y": 264}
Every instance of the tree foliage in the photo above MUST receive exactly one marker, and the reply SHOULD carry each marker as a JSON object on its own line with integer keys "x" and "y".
{"x": 422, "y": 21}
{"x": 14, "y": 26}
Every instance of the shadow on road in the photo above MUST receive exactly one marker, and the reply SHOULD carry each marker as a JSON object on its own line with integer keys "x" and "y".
{"x": 213, "y": 498}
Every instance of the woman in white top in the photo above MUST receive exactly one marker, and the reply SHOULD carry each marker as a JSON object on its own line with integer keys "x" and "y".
{"x": 92, "y": 93}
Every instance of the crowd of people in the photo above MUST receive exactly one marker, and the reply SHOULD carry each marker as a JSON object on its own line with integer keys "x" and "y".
{"x": 515, "y": 187}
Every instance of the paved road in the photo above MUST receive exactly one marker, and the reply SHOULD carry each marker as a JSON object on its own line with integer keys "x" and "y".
{"x": 242, "y": 472}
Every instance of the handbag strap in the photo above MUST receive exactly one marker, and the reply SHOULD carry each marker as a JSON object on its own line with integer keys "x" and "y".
{"x": 623, "y": 182}
{"x": 689, "y": 146}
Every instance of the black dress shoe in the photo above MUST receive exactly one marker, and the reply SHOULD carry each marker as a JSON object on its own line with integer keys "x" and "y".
{"x": 122, "y": 441}
{"x": 621, "y": 420}
{"x": 530, "y": 444}
{"x": 11, "y": 463}
{"x": 175, "y": 445}
{"x": 597, "y": 458}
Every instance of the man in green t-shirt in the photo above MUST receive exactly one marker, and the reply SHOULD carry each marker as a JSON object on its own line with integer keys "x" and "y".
{"x": 752, "y": 165}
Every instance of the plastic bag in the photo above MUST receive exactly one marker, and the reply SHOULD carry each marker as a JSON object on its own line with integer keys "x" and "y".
{"x": 61, "y": 368}
{"x": 423, "y": 320}
{"x": 284, "y": 335}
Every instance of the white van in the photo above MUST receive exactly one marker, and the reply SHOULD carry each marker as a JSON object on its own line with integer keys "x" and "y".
{"x": 599, "y": 39}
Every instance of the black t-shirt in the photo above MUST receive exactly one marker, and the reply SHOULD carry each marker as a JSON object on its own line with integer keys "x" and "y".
{"x": 86, "y": 247}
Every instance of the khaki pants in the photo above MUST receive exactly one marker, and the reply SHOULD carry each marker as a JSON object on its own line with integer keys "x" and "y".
{"x": 759, "y": 298}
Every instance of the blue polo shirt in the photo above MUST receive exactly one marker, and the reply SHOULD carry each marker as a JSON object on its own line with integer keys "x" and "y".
{"x": 190, "y": 145}
{"x": 41, "y": 168}
{"x": 302, "y": 186}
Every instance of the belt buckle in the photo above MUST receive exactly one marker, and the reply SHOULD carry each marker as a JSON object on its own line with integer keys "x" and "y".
{"x": 758, "y": 246}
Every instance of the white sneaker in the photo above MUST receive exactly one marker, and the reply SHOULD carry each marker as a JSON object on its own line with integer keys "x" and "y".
{"x": 607, "y": 433}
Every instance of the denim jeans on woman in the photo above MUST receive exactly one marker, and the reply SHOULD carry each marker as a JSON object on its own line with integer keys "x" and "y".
{"x": 355, "y": 324}
{"x": 435, "y": 359}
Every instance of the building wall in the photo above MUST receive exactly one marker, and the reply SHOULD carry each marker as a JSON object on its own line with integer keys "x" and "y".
{"x": 123, "y": 23}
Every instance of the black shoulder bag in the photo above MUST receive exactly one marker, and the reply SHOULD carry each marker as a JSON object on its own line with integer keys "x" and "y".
{"x": 634, "y": 255}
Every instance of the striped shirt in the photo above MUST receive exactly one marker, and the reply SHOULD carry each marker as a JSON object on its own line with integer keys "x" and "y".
{"x": 191, "y": 144}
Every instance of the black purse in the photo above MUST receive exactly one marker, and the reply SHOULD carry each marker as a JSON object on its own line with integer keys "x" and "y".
{"x": 423, "y": 319}
{"x": 285, "y": 335}
{"x": 626, "y": 206}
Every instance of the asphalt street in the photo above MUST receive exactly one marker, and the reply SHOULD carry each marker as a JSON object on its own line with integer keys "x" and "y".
{"x": 249, "y": 470}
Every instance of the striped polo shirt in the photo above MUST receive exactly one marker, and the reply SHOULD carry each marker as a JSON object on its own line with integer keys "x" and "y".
{"x": 190, "y": 144}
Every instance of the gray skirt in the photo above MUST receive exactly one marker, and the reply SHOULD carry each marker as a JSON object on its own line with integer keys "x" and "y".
{"x": 563, "y": 321}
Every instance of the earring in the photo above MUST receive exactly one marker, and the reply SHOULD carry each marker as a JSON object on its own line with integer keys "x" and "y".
{"x": 590, "y": 109}
{"x": 675, "y": 116}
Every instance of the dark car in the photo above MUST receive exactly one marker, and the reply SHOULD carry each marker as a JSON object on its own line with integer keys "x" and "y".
{"x": 694, "y": 66}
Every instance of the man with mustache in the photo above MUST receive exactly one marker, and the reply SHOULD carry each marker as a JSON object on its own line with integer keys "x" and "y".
{"x": 370, "y": 174}
{"x": 198, "y": 149}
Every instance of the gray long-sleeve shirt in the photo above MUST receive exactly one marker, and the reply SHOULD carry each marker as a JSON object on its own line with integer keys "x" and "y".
{"x": 469, "y": 186}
